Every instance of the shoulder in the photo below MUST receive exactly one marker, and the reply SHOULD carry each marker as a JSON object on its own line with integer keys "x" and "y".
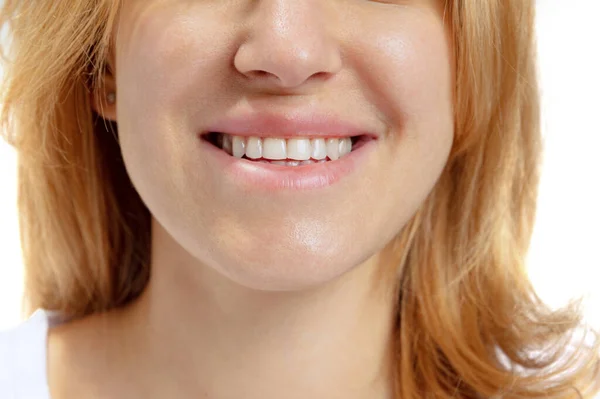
{"x": 82, "y": 356}
{"x": 23, "y": 359}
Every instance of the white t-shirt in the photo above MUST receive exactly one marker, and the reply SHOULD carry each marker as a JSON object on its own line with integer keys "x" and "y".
{"x": 23, "y": 372}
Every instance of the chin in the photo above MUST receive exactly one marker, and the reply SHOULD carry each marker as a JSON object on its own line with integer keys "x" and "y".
{"x": 288, "y": 267}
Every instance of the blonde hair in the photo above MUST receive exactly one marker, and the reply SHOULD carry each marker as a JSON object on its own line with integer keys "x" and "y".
{"x": 469, "y": 322}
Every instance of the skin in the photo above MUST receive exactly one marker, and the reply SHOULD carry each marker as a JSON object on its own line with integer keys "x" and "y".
{"x": 253, "y": 294}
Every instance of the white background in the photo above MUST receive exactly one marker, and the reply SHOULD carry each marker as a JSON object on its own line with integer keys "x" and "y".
{"x": 564, "y": 259}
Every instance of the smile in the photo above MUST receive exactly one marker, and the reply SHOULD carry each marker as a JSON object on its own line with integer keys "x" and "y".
{"x": 291, "y": 152}
{"x": 272, "y": 164}
{"x": 267, "y": 152}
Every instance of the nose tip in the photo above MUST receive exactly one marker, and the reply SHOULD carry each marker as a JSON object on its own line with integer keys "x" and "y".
{"x": 286, "y": 66}
{"x": 287, "y": 45}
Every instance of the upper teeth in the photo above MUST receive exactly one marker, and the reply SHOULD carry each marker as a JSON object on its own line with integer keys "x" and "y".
{"x": 300, "y": 149}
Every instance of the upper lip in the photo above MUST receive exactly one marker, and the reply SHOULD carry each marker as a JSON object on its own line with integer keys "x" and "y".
{"x": 289, "y": 126}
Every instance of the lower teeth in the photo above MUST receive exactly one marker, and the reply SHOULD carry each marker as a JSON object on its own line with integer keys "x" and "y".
{"x": 292, "y": 163}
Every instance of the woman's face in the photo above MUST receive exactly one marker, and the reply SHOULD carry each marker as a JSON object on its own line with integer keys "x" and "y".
{"x": 295, "y": 74}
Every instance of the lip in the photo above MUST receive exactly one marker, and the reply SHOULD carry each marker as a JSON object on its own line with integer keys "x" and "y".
{"x": 289, "y": 126}
{"x": 256, "y": 176}
{"x": 263, "y": 177}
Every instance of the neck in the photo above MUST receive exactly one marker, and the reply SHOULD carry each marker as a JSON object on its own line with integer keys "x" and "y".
{"x": 223, "y": 340}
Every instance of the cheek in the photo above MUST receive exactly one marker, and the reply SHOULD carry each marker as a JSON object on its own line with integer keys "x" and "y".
{"x": 405, "y": 58}
{"x": 163, "y": 61}
{"x": 405, "y": 61}
{"x": 165, "y": 58}
{"x": 413, "y": 85}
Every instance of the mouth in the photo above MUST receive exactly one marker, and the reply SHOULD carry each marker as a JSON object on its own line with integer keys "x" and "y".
{"x": 282, "y": 151}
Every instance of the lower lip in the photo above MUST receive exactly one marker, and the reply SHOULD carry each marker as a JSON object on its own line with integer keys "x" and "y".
{"x": 270, "y": 177}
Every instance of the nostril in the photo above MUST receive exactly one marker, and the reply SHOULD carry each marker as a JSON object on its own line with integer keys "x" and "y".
{"x": 258, "y": 74}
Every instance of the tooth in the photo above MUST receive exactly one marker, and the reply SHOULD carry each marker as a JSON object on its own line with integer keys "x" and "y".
{"x": 308, "y": 162}
{"x": 274, "y": 148}
{"x": 345, "y": 146}
{"x": 319, "y": 149}
{"x": 239, "y": 146}
{"x": 293, "y": 163}
{"x": 299, "y": 149}
{"x": 333, "y": 149}
{"x": 227, "y": 144}
{"x": 282, "y": 163}
{"x": 254, "y": 148}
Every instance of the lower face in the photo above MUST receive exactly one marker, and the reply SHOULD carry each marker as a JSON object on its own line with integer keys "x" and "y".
{"x": 205, "y": 87}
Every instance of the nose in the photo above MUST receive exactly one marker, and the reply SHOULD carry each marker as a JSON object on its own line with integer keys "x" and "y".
{"x": 288, "y": 43}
